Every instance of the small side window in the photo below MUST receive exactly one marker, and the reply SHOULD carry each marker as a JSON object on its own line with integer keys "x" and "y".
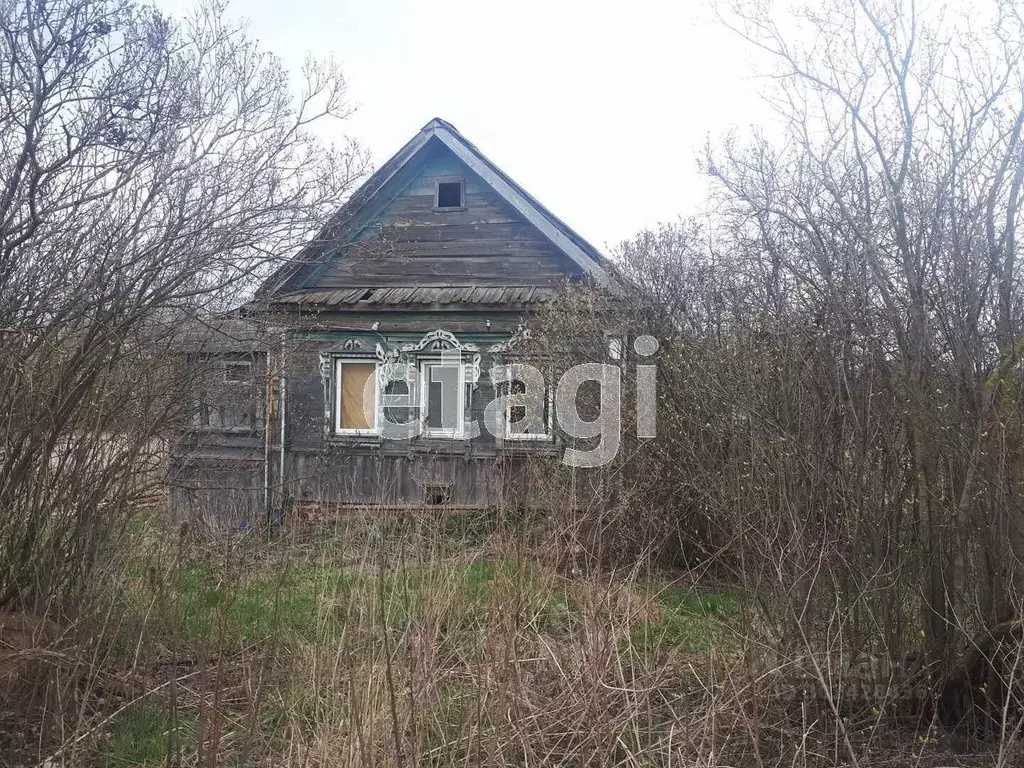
{"x": 237, "y": 371}
{"x": 226, "y": 396}
{"x": 450, "y": 194}
{"x": 517, "y": 425}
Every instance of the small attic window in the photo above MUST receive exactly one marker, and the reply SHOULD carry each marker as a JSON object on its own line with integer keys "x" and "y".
{"x": 449, "y": 195}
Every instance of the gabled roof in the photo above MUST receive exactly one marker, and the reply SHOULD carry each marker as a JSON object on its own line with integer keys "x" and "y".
{"x": 343, "y": 223}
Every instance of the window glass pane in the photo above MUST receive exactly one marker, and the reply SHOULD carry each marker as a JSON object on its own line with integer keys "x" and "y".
{"x": 442, "y": 386}
{"x": 615, "y": 347}
{"x": 435, "y": 403}
{"x": 393, "y": 414}
{"x": 449, "y": 194}
{"x": 231, "y": 416}
{"x": 358, "y": 395}
{"x": 516, "y": 413}
{"x": 237, "y": 372}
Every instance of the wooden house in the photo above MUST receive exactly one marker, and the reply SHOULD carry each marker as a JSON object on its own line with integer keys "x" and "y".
{"x": 435, "y": 265}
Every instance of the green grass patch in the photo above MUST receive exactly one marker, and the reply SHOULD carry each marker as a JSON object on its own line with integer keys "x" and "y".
{"x": 686, "y": 601}
{"x": 687, "y": 620}
{"x": 315, "y": 591}
{"x": 463, "y": 596}
{"x": 144, "y": 735}
{"x": 213, "y": 607}
{"x": 469, "y": 527}
{"x": 218, "y": 610}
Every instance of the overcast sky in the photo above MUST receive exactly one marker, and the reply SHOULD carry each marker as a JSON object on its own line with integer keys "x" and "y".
{"x": 598, "y": 108}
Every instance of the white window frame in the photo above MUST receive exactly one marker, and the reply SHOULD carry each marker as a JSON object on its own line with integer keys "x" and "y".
{"x": 375, "y": 428}
{"x": 424, "y": 402}
{"x": 512, "y": 401}
{"x": 462, "y": 194}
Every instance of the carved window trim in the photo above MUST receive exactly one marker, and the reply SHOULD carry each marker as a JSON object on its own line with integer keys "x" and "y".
{"x": 430, "y": 349}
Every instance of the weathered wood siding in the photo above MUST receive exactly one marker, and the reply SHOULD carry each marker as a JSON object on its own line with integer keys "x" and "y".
{"x": 406, "y": 242}
{"x": 223, "y": 493}
{"x": 323, "y": 468}
{"x": 216, "y": 472}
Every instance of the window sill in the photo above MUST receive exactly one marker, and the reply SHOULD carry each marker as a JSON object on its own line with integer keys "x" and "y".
{"x": 523, "y": 447}
{"x": 437, "y": 441}
{"x": 377, "y": 437}
{"x": 239, "y": 431}
{"x": 419, "y": 445}
{"x": 354, "y": 438}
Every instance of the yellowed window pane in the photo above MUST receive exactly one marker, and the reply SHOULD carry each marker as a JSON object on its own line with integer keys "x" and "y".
{"x": 358, "y": 395}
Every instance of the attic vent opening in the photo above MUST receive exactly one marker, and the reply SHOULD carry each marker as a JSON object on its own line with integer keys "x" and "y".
{"x": 437, "y": 495}
{"x": 449, "y": 194}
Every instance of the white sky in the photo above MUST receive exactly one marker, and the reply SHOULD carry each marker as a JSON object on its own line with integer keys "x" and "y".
{"x": 599, "y": 109}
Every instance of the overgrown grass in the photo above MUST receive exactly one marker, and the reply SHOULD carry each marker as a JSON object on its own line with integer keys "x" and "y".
{"x": 307, "y": 601}
{"x": 427, "y": 643}
{"x": 318, "y": 641}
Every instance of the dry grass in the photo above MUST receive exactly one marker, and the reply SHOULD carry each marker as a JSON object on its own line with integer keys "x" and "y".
{"x": 411, "y": 644}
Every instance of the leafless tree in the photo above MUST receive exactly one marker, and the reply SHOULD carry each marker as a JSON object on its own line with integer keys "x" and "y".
{"x": 840, "y": 375}
{"x": 150, "y": 168}
{"x": 891, "y": 209}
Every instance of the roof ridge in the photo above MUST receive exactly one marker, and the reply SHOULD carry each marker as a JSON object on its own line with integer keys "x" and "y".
{"x": 438, "y": 122}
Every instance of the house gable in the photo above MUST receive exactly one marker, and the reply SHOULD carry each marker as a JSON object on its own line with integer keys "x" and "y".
{"x": 392, "y": 234}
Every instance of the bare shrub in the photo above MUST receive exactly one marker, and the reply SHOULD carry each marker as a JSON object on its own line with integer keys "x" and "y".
{"x": 149, "y": 166}
{"x": 839, "y": 388}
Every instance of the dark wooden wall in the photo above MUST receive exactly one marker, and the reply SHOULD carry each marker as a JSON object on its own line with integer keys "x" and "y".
{"x": 220, "y": 476}
{"x": 407, "y": 243}
{"x": 324, "y": 468}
